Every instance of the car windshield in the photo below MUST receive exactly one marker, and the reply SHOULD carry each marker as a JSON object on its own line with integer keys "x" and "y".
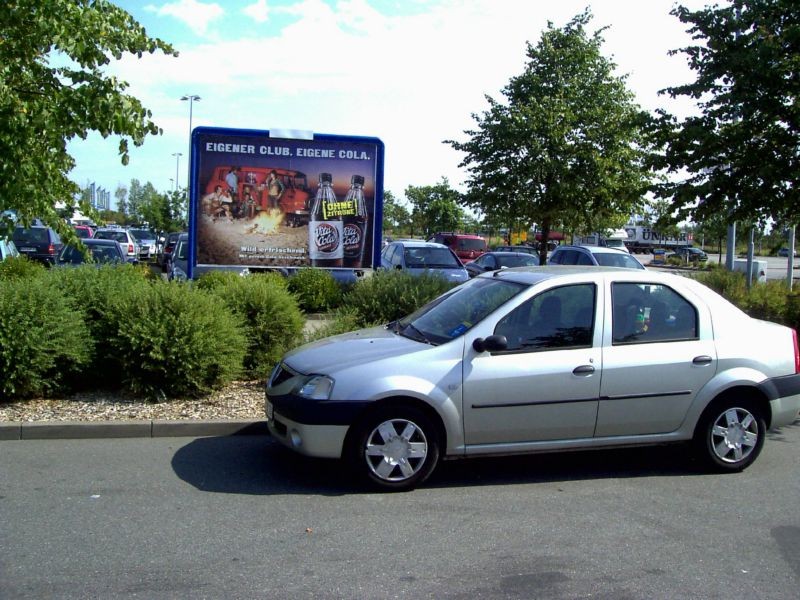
{"x": 517, "y": 260}
{"x": 456, "y": 312}
{"x": 142, "y": 234}
{"x": 471, "y": 244}
{"x": 430, "y": 258}
{"x": 607, "y": 259}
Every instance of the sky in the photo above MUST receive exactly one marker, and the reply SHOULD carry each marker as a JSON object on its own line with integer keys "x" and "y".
{"x": 410, "y": 72}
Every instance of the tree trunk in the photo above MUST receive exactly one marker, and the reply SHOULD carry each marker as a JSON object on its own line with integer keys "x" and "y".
{"x": 543, "y": 242}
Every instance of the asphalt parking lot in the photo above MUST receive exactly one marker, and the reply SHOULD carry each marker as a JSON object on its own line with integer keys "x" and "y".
{"x": 241, "y": 517}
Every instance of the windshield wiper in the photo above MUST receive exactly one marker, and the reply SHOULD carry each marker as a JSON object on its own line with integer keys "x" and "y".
{"x": 419, "y": 337}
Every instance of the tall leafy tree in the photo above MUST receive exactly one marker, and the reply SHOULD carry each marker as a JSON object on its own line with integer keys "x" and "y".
{"x": 395, "y": 215}
{"x": 739, "y": 156}
{"x": 435, "y": 207}
{"x": 53, "y": 88}
{"x": 567, "y": 147}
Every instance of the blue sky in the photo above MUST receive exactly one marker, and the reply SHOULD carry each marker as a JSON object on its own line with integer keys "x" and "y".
{"x": 409, "y": 72}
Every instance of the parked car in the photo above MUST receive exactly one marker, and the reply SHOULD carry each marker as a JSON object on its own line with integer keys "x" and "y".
{"x": 147, "y": 240}
{"x": 102, "y": 251}
{"x": 593, "y": 256}
{"x": 7, "y": 249}
{"x": 129, "y": 244}
{"x": 38, "y": 243}
{"x": 539, "y": 360}
{"x": 467, "y": 247}
{"x": 526, "y": 249}
{"x": 784, "y": 252}
{"x": 178, "y": 265}
{"x": 166, "y": 250}
{"x": 417, "y": 258}
{"x": 689, "y": 253}
{"x": 492, "y": 261}
{"x": 83, "y": 231}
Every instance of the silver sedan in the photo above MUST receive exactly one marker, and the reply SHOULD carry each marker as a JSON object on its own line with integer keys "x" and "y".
{"x": 541, "y": 359}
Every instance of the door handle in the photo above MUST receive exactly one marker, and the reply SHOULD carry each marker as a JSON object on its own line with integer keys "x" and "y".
{"x": 702, "y": 360}
{"x": 583, "y": 370}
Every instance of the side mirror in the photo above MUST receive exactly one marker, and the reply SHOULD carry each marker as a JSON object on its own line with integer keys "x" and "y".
{"x": 493, "y": 343}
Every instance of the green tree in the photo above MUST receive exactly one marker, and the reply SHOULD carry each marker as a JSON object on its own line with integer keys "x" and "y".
{"x": 53, "y": 89}
{"x": 435, "y": 207}
{"x": 568, "y": 147}
{"x": 739, "y": 156}
{"x": 121, "y": 194}
{"x": 396, "y": 216}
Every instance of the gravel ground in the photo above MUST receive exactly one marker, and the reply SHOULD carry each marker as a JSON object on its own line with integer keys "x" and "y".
{"x": 241, "y": 400}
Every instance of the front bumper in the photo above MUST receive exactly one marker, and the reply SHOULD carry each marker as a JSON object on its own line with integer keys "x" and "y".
{"x": 323, "y": 441}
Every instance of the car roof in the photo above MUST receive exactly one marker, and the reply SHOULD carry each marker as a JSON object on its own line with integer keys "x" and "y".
{"x": 592, "y": 249}
{"x": 533, "y": 275}
{"x": 419, "y": 244}
{"x": 98, "y": 242}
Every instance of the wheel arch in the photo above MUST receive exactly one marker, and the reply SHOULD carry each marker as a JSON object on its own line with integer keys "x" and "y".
{"x": 751, "y": 392}
{"x": 398, "y": 401}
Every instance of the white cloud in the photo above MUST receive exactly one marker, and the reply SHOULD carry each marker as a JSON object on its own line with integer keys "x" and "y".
{"x": 413, "y": 80}
{"x": 258, "y": 11}
{"x": 196, "y": 15}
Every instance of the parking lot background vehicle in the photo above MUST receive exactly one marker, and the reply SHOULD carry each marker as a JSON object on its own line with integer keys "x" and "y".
{"x": 83, "y": 231}
{"x": 167, "y": 248}
{"x": 593, "y": 256}
{"x": 147, "y": 241}
{"x": 622, "y": 358}
{"x": 7, "y": 249}
{"x": 466, "y": 246}
{"x": 492, "y": 261}
{"x": 101, "y": 251}
{"x": 526, "y": 249}
{"x": 690, "y": 254}
{"x": 129, "y": 244}
{"x": 418, "y": 258}
{"x": 38, "y": 243}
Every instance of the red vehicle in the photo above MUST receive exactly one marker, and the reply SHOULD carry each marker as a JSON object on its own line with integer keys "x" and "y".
{"x": 294, "y": 202}
{"x": 467, "y": 247}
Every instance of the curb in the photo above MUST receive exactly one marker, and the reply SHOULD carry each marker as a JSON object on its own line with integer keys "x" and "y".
{"x": 73, "y": 430}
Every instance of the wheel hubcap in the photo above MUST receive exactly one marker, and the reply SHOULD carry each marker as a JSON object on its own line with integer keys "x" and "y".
{"x": 734, "y": 435}
{"x": 396, "y": 450}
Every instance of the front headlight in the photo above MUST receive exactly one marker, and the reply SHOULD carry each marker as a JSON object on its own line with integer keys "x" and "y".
{"x": 318, "y": 387}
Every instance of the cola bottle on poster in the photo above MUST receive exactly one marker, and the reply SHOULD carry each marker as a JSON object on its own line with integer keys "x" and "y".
{"x": 325, "y": 247}
{"x": 355, "y": 223}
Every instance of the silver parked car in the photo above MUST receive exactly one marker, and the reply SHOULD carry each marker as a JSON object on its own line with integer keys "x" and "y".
{"x": 541, "y": 359}
{"x": 424, "y": 258}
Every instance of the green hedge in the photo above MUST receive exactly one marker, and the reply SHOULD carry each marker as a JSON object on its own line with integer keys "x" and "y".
{"x": 44, "y": 340}
{"x": 174, "y": 340}
{"x": 316, "y": 290}
{"x": 268, "y": 313}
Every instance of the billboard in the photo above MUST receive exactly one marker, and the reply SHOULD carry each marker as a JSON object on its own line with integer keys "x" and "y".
{"x": 284, "y": 200}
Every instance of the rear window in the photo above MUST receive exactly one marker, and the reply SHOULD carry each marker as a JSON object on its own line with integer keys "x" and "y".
{"x": 34, "y": 235}
{"x": 471, "y": 244}
{"x": 119, "y": 236}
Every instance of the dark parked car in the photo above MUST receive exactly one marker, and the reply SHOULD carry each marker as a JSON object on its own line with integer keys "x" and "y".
{"x": 689, "y": 254}
{"x": 166, "y": 252}
{"x": 525, "y": 249}
{"x": 594, "y": 255}
{"x": 38, "y": 243}
{"x": 101, "y": 251}
{"x": 492, "y": 261}
{"x": 784, "y": 252}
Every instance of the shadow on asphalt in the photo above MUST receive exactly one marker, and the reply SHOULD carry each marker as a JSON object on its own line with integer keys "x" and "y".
{"x": 260, "y": 466}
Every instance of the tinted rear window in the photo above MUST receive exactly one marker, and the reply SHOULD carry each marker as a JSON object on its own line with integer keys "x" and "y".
{"x": 35, "y": 235}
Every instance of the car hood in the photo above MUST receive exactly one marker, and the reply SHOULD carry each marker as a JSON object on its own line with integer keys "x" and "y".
{"x": 361, "y": 347}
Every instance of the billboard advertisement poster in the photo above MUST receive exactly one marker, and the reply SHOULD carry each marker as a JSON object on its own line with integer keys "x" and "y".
{"x": 264, "y": 201}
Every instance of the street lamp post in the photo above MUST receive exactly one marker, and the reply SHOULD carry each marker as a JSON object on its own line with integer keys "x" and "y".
{"x": 191, "y": 98}
{"x": 177, "y": 156}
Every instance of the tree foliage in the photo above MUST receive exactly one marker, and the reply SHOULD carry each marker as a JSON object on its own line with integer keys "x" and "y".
{"x": 567, "y": 147}
{"x": 738, "y": 157}
{"x": 435, "y": 207}
{"x": 395, "y": 215}
{"x": 53, "y": 89}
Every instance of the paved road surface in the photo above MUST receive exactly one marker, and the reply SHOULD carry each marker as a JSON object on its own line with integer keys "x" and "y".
{"x": 239, "y": 517}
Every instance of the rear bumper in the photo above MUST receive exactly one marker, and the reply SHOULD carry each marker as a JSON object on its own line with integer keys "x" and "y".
{"x": 784, "y": 398}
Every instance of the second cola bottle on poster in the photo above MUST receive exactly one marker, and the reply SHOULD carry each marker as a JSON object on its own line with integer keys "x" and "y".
{"x": 325, "y": 229}
{"x": 355, "y": 223}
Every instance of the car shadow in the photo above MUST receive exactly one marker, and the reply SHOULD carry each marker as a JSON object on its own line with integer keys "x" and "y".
{"x": 258, "y": 465}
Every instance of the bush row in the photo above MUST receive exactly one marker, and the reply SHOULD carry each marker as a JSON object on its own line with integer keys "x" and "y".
{"x": 118, "y": 327}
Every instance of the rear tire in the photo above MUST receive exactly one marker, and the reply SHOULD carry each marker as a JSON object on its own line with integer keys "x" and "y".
{"x": 395, "y": 449}
{"x": 730, "y": 434}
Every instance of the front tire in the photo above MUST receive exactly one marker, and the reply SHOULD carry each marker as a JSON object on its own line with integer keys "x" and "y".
{"x": 730, "y": 434}
{"x": 395, "y": 449}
